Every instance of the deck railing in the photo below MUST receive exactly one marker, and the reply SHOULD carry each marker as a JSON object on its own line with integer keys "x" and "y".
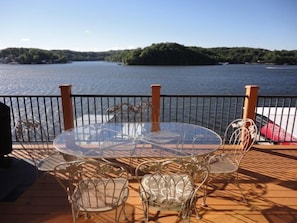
{"x": 43, "y": 109}
{"x": 211, "y": 111}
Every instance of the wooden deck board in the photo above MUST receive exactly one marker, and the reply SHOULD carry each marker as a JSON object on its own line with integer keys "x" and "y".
{"x": 268, "y": 179}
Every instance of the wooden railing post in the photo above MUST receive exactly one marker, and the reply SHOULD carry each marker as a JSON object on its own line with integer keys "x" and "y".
{"x": 156, "y": 89}
{"x": 67, "y": 106}
{"x": 250, "y": 102}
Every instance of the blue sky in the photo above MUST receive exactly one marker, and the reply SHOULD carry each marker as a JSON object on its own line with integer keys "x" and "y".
{"x": 100, "y": 25}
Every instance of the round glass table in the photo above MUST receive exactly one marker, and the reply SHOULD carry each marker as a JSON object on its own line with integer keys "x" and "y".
{"x": 139, "y": 140}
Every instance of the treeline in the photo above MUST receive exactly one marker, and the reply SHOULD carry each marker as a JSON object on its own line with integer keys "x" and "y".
{"x": 176, "y": 54}
{"x": 164, "y": 54}
{"x": 156, "y": 54}
{"x": 39, "y": 56}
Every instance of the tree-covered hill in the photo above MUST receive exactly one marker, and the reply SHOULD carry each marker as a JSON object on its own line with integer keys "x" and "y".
{"x": 175, "y": 54}
{"x": 39, "y": 56}
{"x": 156, "y": 54}
{"x": 165, "y": 54}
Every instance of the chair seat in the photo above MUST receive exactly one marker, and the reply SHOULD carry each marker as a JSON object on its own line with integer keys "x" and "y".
{"x": 118, "y": 145}
{"x": 161, "y": 136}
{"x": 222, "y": 166}
{"x": 167, "y": 190}
{"x": 100, "y": 195}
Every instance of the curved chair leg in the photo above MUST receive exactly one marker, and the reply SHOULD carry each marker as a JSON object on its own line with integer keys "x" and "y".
{"x": 236, "y": 181}
{"x": 124, "y": 212}
{"x": 205, "y": 192}
{"x": 74, "y": 214}
{"x": 198, "y": 216}
{"x": 204, "y": 196}
{"x": 145, "y": 212}
{"x": 119, "y": 214}
{"x": 183, "y": 214}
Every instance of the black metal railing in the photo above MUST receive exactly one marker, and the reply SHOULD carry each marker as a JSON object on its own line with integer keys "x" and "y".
{"x": 211, "y": 111}
{"x": 43, "y": 109}
{"x": 94, "y": 108}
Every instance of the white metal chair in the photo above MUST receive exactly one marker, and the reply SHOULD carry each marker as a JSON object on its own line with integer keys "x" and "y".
{"x": 239, "y": 137}
{"x": 170, "y": 185}
{"x": 126, "y": 112}
{"x": 94, "y": 186}
{"x": 34, "y": 139}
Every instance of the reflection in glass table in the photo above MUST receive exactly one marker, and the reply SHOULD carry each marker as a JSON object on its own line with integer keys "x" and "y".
{"x": 139, "y": 140}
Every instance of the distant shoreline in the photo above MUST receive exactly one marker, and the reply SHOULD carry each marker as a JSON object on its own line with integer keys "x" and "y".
{"x": 273, "y": 66}
{"x": 156, "y": 54}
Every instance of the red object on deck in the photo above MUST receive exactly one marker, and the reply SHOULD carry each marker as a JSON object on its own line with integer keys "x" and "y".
{"x": 277, "y": 134}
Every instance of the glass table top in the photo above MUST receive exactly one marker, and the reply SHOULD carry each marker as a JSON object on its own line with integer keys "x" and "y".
{"x": 122, "y": 140}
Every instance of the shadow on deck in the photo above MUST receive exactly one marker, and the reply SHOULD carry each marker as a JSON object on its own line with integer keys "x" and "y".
{"x": 268, "y": 179}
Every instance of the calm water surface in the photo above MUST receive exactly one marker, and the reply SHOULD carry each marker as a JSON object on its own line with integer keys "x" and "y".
{"x": 111, "y": 78}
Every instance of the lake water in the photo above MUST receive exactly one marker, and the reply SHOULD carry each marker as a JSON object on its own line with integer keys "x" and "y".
{"x": 111, "y": 78}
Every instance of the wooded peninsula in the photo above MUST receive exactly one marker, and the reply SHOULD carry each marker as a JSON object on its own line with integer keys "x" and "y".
{"x": 156, "y": 54}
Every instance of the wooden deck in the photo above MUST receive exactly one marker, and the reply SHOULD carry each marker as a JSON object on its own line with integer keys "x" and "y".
{"x": 268, "y": 179}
